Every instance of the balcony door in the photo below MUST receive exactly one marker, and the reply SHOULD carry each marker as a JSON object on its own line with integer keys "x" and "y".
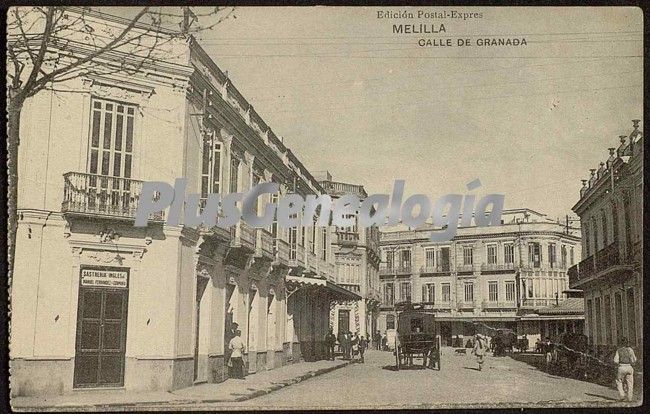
{"x": 110, "y": 157}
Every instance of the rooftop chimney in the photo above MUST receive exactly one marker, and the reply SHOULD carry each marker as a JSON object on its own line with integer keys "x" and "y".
{"x": 593, "y": 171}
{"x": 584, "y": 183}
{"x": 622, "y": 138}
{"x": 611, "y": 151}
{"x": 635, "y": 123}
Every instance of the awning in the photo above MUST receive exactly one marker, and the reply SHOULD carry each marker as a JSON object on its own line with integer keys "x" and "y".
{"x": 335, "y": 290}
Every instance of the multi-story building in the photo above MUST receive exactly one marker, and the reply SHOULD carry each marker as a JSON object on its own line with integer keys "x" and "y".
{"x": 97, "y": 302}
{"x": 611, "y": 212}
{"x": 356, "y": 252}
{"x": 498, "y": 276}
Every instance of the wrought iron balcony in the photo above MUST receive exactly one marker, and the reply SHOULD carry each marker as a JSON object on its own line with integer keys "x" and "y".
{"x": 243, "y": 236}
{"x": 297, "y": 258}
{"x": 264, "y": 244}
{"x": 465, "y": 268}
{"x": 347, "y": 238}
{"x": 497, "y": 267}
{"x": 102, "y": 195}
{"x": 595, "y": 265}
{"x": 281, "y": 252}
{"x": 435, "y": 269}
{"x": 402, "y": 270}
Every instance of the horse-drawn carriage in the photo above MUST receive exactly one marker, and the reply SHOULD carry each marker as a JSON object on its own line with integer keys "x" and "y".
{"x": 416, "y": 337}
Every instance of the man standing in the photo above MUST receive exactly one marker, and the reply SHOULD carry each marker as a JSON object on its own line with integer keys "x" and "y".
{"x": 548, "y": 352}
{"x": 625, "y": 358}
{"x": 363, "y": 344}
{"x": 330, "y": 341}
{"x": 480, "y": 346}
{"x": 237, "y": 350}
{"x": 347, "y": 345}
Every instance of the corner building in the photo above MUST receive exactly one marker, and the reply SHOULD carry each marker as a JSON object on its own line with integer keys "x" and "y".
{"x": 611, "y": 275}
{"x": 99, "y": 303}
{"x": 356, "y": 252}
{"x": 502, "y": 276}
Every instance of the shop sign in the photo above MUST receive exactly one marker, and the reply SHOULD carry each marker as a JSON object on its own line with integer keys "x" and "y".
{"x": 104, "y": 278}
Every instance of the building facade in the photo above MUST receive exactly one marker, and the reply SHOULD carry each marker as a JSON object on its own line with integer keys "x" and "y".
{"x": 97, "y": 302}
{"x": 611, "y": 212}
{"x": 493, "y": 277}
{"x": 356, "y": 252}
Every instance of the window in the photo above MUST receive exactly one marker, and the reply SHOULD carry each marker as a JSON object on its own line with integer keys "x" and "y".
{"x": 323, "y": 243}
{"x": 405, "y": 291}
{"x": 551, "y": 255}
{"x": 430, "y": 257}
{"x": 210, "y": 167}
{"x": 293, "y": 242}
{"x": 598, "y": 323}
{"x": 595, "y": 230}
{"x": 534, "y": 254}
{"x": 468, "y": 256}
{"x": 444, "y": 262}
{"x": 428, "y": 293}
{"x": 614, "y": 223}
{"x": 530, "y": 290}
{"x": 446, "y": 292}
{"x": 604, "y": 223}
{"x": 564, "y": 262}
{"x": 571, "y": 257}
{"x": 631, "y": 317}
{"x": 469, "y": 292}
{"x": 111, "y": 138}
{"x": 274, "y": 224}
{"x": 389, "y": 294}
{"x": 390, "y": 259}
{"x": 590, "y": 321}
{"x": 313, "y": 232}
{"x": 608, "y": 320}
{"x": 510, "y": 291}
{"x": 492, "y": 254}
{"x": 509, "y": 253}
{"x": 256, "y": 206}
{"x": 234, "y": 174}
{"x": 586, "y": 237}
{"x": 405, "y": 259}
{"x": 390, "y": 321}
{"x": 493, "y": 291}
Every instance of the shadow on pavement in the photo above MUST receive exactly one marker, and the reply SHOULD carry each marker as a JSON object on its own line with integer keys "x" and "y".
{"x": 403, "y": 368}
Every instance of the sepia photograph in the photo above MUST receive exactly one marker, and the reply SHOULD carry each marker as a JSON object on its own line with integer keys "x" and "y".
{"x": 324, "y": 207}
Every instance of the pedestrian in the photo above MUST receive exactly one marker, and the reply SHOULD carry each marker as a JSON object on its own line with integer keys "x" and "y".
{"x": 330, "y": 341}
{"x": 354, "y": 345}
{"x": 363, "y": 344}
{"x": 376, "y": 341}
{"x": 548, "y": 352}
{"x": 480, "y": 346}
{"x": 237, "y": 350}
{"x": 625, "y": 358}
{"x": 347, "y": 345}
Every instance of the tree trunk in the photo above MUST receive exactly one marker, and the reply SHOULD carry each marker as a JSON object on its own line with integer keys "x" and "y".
{"x": 13, "y": 132}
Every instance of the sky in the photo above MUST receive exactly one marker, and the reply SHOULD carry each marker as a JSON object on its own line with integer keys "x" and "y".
{"x": 350, "y": 96}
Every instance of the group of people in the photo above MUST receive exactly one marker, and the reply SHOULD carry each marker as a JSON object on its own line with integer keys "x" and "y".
{"x": 351, "y": 344}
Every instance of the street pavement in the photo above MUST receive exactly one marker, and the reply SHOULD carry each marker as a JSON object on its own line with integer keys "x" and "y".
{"x": 504, "y": 382}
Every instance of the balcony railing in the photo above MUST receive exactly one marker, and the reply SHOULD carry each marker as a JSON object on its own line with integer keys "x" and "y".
{"x": 497, "y": 267}
{"x": 102, "y": 195}
{"x": 402, "y": 270}
{"x": 465, "y": 267}
{"x": 466, "y": 304}
{"x": 282, "y": 252}
{"x": 243, "y": 235}
{"x": 435, "y": 269}
{"x": 594, "y": 264}
{"x": 264, "y": 244}
{"x": 490, "y": 304}
{"x": 347, "y": 238}
{"x": 297, "y": 257}
{"x": 343, "y": 188}
{"x": 351, "y": 287}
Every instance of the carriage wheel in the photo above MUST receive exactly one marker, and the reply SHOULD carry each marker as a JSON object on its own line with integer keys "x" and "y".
{"x": 397, "y": 358}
